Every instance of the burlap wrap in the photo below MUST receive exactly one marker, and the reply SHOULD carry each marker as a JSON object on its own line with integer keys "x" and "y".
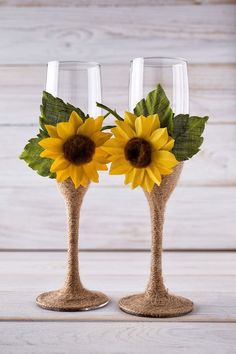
{"x": 156, "y": 301}
{"x": 73, "y": 296}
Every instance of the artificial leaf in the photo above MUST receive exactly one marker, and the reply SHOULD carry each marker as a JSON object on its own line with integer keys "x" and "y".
{"x": 109, "y": 110}
{"x": 31, "y": 155}
{"x": 108, "y": 127}
{"x": 187, "y": 133}
{"x": 55, "y": 110}
{"x": 156, "y": 102}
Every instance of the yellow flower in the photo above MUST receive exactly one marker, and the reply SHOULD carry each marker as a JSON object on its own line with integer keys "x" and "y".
{"x": 141, "y": 151}
{"x": 75, "y": 147}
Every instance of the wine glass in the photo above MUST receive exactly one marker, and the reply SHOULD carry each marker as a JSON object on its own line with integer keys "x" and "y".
{"x": 78, "y": 83}
{"x": 145, "y": 74}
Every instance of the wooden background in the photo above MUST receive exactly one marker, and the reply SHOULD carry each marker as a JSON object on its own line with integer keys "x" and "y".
{"x": 201, "y": 213}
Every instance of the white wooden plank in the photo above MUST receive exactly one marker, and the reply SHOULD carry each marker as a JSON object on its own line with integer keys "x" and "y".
{"x": 114, "y": 338}
{"x": 78, "y": 3}
{"x": 37, "y": 34}
{"x": 117, "y": 264}
{"x": 212, "y": 91}
{"x": 213, "y": 165}
{"x": 207, "y": 278}
{"x": 209, "y": 307}
{"x": 196, "y": 218}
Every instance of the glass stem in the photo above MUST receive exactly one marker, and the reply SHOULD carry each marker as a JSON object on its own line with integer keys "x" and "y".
{"x": 73, "y": 279}
{"x": 73, "y": 200}
{"x": 156, "y": 287}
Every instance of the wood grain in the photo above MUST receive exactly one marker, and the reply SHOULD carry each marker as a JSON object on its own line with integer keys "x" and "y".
{"x": 36, "y": 34}
{"x": 79, "y": 3}
{"x": 207, "y": 278}
{"x": 114, "y": 338}
{"x": 212, "y": 91}
{"x": 117, "y": 218}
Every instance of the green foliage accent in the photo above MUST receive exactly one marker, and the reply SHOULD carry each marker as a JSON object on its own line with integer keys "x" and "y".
{"x": 54, "y": 110}
{"x": 31, "y": 155}
{"x": 156, "y": 102}
{"x": 187, "y": 133}
{"x": 108, "y": 127}
{"x": 185, "y": 130}
{"x": 110, "y": 111}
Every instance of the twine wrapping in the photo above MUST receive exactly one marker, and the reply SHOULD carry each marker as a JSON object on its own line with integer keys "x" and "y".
{"x": 73, "y": 200}
{"x": 73, "y": 296}
{"x": 156, "y": 301}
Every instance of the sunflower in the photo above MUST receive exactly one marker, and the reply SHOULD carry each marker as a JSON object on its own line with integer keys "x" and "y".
{"x": 75, "y": 147}
{"x": 141, "y": 150}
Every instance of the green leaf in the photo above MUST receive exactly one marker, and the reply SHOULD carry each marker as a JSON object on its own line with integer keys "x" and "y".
{"x": 114, "y": 113}
{"x": 187, "y": 133}
{"x": 31, "y": 155}
{"x": 55, "y": 110}
{"x": 108, "y": 127}
{"x": 156, "y": 102}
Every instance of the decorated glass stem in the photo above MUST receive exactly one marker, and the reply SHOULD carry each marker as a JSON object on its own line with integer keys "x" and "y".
{"x": 68, "y": 148}
{"x": 156, "y": 301}
{"x": 73, "y": 296}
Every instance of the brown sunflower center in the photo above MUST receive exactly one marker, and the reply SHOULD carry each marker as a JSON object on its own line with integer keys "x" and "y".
{"x": 79, "y": 149}
{"x": 139, "y": 152}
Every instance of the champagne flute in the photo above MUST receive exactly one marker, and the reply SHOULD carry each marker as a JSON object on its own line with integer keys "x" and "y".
{"x": 78, "y": 83}
{"x": 145, "y": 74}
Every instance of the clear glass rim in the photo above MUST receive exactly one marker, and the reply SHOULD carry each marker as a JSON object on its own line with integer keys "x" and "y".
{"x": 75, "y": 63}
{"x": 160, "y": 61}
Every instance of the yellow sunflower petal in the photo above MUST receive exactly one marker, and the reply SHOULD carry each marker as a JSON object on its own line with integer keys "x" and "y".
{"x": 76, "y": 174}
{"x": 118, "y": 136}
{"x": 88, "y": 128}
{"x": 116, "y": 150}
{"x": 98, "y": 122}
{"x": 143, "y": 126}
{"x": 129, "y": 176}
{"x": 165, "y": 158}
{"x": 148, "y": 183}
{"x": 59, "y": 164}
{"x": 138, "y": 177}
{"x": 52, "y": 144}
{"x": 154, "y": 174}
{"x": 52, "y": 131}
{"x": 100, "y": 166}
{"x": 169, "y": 145}
{"x": 125, "y": 130}
{"x": 75, "y": 120}
{"x": 65, "y": 130}
{"x": 120, "y": 167}
{"x": 84, "y": 181}
{"x": 100, "y": 155}
{"x": 155, "y": 122}
{"x": 113, "y": 143}
{"x": 163, "y": 169}
{"x": 159, "y": 138}
{"x": 50, "y": 154}
{"x": 130, "y": 119}
{"x": 91, "y": 172}
{"x": 63, "y": 174}
{"x": 100, "y": 138}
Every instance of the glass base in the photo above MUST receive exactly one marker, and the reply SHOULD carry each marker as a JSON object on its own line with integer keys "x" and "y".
{"x": 167, "y": 306}
{"x": 61, "y": 300}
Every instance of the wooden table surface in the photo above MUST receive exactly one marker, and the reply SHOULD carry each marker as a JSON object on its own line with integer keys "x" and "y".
{"x": 208, "y": 278}
{"x": 199, "y": 260}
